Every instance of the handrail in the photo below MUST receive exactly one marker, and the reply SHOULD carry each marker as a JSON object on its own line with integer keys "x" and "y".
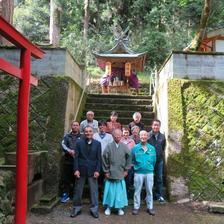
{"x": 154, "y": 83}
{"x": 83, "y": 92}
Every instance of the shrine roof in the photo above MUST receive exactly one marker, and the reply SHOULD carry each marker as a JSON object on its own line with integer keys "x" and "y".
{"x": 120, "y": 50}
{"x": 119, "y": 55}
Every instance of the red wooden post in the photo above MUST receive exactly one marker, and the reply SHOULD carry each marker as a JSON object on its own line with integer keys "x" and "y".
{"x": 23, "y": 73}
{"x": 22, "y": 139}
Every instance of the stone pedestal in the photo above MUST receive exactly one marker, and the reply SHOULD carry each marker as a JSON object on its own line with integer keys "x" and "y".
{"x": 36, "y": 167}
{"x": 36, "y": 163}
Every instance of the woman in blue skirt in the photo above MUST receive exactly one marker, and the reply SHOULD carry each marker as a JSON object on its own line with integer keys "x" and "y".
{"x": 116, "y": 163}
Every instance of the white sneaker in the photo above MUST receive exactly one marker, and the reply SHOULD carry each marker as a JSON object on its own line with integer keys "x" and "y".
{"x": 107, "y": 211}
{"x": 120, "y": 212}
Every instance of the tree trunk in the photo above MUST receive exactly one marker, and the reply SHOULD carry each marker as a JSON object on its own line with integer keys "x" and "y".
{"x": 54, "y": 32}
{"x": 6, "y": 11}
{"x": 196, "y": 42}
{"x": 98, "y": 16}
{"x": 86, "y": 20}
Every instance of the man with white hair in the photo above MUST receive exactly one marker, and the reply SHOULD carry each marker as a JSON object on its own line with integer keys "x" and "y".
{"x": 136, "y": 121}
{"x": 116, "y": 163}
{"x": 144, "y": 160}
{"x": 89, "y": 122}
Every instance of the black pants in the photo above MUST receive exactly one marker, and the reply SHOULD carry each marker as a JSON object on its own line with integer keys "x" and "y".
{"x": 79, "y": 185}
{"x": 68, "y": 178}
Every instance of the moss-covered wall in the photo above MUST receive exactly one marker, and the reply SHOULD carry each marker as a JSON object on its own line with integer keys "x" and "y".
{"x": 8, "y": 110}
{"x": 7, "y": 196}
{"x": 196, "y": 139}
{"x": 49, "y": 104}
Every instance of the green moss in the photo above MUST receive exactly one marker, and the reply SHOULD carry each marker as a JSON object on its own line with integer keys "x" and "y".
{"x": 175, "y": 109}
{"x": 197, "y": 108}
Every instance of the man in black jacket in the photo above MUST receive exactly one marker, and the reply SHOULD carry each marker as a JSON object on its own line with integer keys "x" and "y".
{"x": 87, "y": 165}
{"x": 158, "y": 140}
{"x": 68, "y": 145}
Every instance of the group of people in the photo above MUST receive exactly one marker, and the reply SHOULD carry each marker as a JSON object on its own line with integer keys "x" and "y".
{"x": 115, "y": 157}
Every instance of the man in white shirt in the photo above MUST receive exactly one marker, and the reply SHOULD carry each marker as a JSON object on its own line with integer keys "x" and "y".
{"x": 89, "y": 122}
{"x": 103, "y": 137}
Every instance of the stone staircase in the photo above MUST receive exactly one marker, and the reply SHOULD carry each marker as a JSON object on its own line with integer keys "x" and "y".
{"x": 124, "y": 105}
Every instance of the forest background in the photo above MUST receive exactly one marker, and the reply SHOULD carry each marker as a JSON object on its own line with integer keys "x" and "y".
{"x": 83, "y": 26}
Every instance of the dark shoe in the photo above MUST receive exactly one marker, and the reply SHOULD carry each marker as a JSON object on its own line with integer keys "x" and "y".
{"x": 75, "y": 213}
{"x": 135, "y": 212}
{"x": 151, "y": 211}
{"x": 94, "y": 215}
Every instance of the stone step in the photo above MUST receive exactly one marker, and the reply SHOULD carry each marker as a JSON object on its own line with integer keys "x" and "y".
{"x": 46, "y": 204}
{"x": 124, "y": 105}
{"x": 121, "y": 113}
{"x": 125, "y": 120}
{"x": 118, "y": 107}
{"x": 119, "y": 101}
{"x": 216, "y": 207}
{"x": 120, "y": 96}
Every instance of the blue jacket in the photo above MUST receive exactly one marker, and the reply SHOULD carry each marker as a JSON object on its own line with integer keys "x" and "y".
{"x": 87, "y": 157}
{"x": 143, "y": 161}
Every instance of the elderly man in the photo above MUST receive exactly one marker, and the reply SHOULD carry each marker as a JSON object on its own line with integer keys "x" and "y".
{"x": 87, "y": 165}
{"x": 116, "y": 163}
{"x": 136, "y": 121}
{"x": 144, "y": 160}
{"x": 68, "y": 145}
{"x": 89, "y": 122}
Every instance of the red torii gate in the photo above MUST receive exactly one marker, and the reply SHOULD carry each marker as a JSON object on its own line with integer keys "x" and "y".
{"x": 23, "y": 73}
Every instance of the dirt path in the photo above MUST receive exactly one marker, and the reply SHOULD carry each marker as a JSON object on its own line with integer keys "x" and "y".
{"x": 165, "y": 214}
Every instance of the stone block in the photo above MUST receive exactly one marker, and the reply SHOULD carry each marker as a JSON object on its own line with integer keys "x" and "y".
{"x": 178, "y": 188}
{"x": 46, "y": 204}
{"x": 35, "y": 191}
{"x": 36, "y": 162}
{"x": 216, "y": 207}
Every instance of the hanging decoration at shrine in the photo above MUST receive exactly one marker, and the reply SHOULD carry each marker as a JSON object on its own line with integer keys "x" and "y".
{"x": 108, "y": 68}
{"x": 127, "y": 69}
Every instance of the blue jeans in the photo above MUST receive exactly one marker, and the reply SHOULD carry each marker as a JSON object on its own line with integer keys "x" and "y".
{"x": 139, "y": 179}
{"x": 159, "y": 179}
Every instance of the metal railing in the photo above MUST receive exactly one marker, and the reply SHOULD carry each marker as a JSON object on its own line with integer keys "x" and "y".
{"x": 85, "y": 89}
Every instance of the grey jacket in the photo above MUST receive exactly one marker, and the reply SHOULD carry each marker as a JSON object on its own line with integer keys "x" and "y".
{"x": 116, "y": 160}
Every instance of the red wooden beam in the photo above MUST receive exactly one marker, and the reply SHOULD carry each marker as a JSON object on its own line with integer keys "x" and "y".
{"x": 15, "y": 37}
{"x": 10, "y": 68}
{"x": 33, "y": 80}
{"x": 15, "y": 71}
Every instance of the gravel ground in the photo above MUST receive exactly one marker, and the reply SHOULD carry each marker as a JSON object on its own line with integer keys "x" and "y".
{"x": 165, "y": 214}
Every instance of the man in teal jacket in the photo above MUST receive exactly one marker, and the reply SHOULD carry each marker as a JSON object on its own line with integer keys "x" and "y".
{"x": 144, "y": 160}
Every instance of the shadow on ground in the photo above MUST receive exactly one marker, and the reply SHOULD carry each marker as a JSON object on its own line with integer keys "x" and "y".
{"x": 165, "y": 214}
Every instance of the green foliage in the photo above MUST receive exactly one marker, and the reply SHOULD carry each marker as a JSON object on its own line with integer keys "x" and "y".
{"x": 31, "y": 17}
{"x": 156, "y": 26}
